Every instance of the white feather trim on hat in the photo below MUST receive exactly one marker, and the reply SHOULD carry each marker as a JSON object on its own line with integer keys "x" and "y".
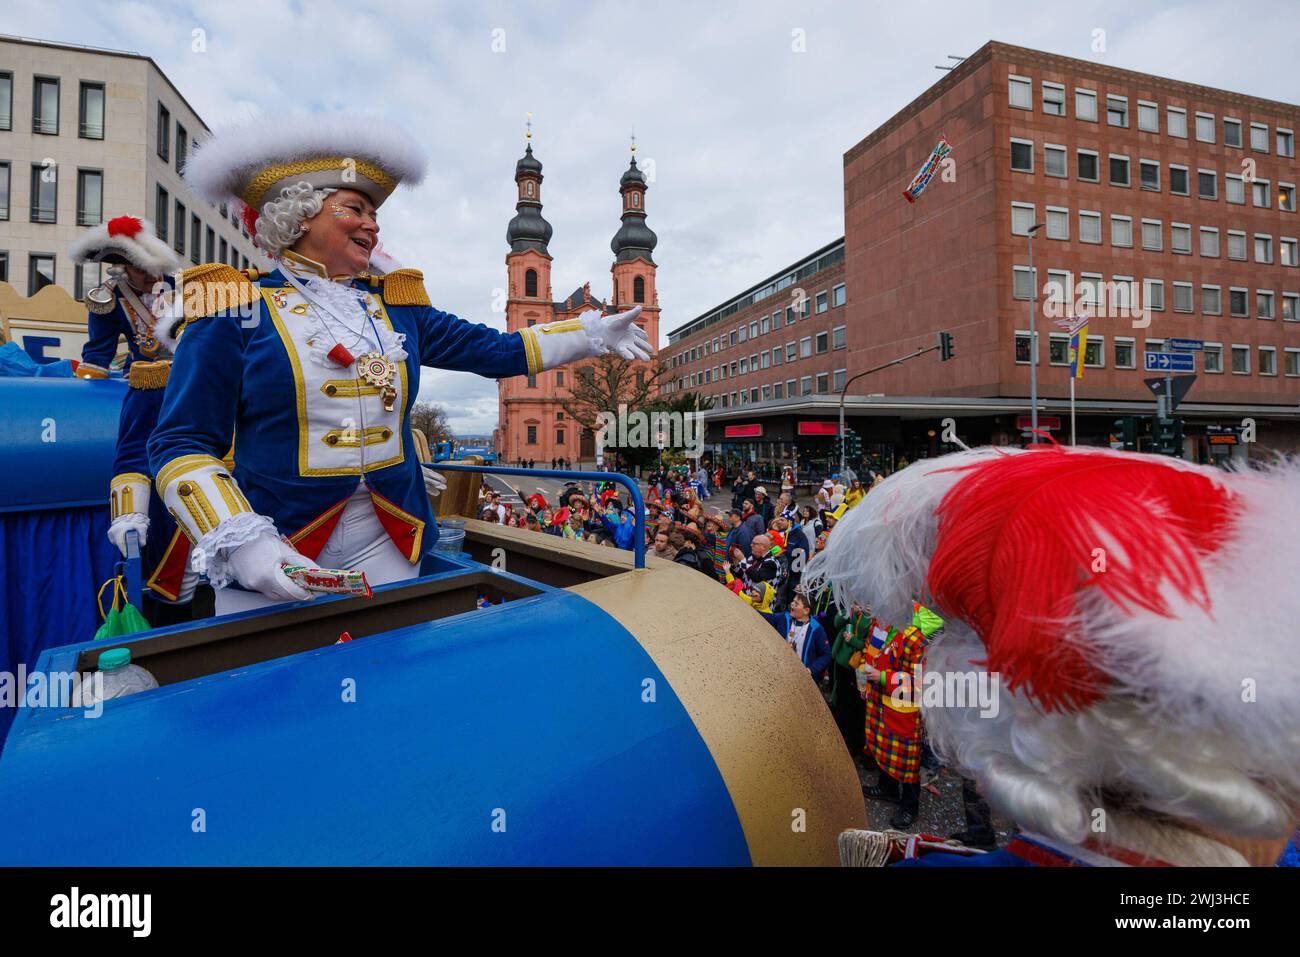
{"x": 130, "y": 237}
{"x": 224, "y": 165}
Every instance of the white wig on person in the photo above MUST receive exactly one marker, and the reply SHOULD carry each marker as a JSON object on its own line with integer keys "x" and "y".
{"x": 280, "y": 223}
{"x": 1138, "y": 613}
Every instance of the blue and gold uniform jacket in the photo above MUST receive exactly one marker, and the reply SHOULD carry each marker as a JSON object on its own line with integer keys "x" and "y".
{"x": 105, "y": 328}
{"x": 305, "y": 432}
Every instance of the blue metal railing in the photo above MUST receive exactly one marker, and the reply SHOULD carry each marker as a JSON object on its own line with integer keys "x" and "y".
{"x": 638, "y": 505}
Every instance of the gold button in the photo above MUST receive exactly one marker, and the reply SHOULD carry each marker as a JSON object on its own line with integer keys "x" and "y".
{"x": 331, "y": 439}
{"x": 185, "y": 488}
{"x": 331, "y": 389}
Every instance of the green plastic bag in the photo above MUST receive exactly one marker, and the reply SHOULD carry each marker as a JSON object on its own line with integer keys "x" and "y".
{"x": 123, "y": 620}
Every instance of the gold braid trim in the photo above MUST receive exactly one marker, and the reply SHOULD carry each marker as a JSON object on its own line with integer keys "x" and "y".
{"x": 149, "y": 375}
{"x": 404, "y": 287}
{"x": 213, "y": 288}
{"x": 255, "y": 190}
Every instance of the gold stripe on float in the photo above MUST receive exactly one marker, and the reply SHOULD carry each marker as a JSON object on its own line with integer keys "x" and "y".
{"x": 755, "y": 706}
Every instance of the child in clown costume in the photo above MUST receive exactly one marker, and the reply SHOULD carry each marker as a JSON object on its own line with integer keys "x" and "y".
{"x": 131, "y": 305}
{"x": 312, "y": 368}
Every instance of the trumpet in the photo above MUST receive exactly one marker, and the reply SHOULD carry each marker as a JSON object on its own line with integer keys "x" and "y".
{"x": 102, "y": 298}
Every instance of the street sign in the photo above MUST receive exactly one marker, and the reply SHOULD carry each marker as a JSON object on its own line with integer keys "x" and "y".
{"x": 1168, "y": 362}
{"x": 1187, "y": 345}
{"x": 1179, "y": 385}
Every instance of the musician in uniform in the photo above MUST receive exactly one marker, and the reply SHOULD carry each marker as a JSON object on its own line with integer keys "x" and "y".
{"x": 132, "y": 303}
{"x": 313, "y": 368}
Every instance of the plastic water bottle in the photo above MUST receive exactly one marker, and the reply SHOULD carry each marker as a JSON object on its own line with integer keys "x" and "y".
{"x": 121, "y": 678}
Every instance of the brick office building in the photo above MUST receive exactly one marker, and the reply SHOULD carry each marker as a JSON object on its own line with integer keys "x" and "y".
{"x": 1146, "y": 191}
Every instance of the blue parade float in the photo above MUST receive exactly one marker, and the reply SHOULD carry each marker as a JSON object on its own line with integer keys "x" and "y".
{"x": 524, "y": 702}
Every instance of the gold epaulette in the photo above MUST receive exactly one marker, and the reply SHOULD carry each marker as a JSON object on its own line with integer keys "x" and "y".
{"x": 404, "y": 287}
{"x": 213, "y": 288}
{"x": 149, "y": 375}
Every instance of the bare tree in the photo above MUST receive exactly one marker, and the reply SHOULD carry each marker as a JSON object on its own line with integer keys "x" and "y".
{"x": 431, "y": 419}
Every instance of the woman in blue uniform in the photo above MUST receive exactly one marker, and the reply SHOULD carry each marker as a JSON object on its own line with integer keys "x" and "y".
{"x": 132, "y": 304}
{"x": 312, "y": 369}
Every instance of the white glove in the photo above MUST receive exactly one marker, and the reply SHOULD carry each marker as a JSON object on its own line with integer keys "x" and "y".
{"x": 618, "y": 333}
{"x": 130, "y": 522}
{"x": 434, "y": 482}
{"x": 256, "y": 565}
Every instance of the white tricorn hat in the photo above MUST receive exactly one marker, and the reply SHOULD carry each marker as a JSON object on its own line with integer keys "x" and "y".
{"x": 253, "y": 161}
{"x": 125, "y": 240}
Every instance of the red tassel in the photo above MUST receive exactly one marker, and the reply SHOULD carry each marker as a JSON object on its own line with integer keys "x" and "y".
{"x": 341, "y": 355}
{"x": 249, "y": 215}
{"x": 1016, "y": 545}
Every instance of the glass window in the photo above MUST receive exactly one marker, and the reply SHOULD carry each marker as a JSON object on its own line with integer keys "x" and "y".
{"x": 1022, "y": 217}
{"x": 1149, "y": 173}
{"x": 841, "y": 376}
{"x": 1178, "y": 181}
{"x": 85, "y": 278}
{"x": 777, "y": 355}
{"x": 1058, "y": 349}
{"x": 1085, "y": 104}
{"x": 1121, "y": 231}
{"x": 91, "y": 122}
{"x": 1267, "y": 360}
{"x": 1286, "y": 249}
{"x": 1124, "y": 354}
{"x": 805, "y": 385}
{"x": 90, "y": 197}
{"x": 1021, "y": 92}
{"x": 1053, "y": 99}
{"x": 1154, "y": 290}
{"x": 822, "y": 303}
{"x": 1088, "y": 291}
{"x": 1058, "y": 286}
{"x": 1089, "y": 227}
{"x": 1205, "y": 127}
{"x": 1236, "y": 244}
{"x": 823, "y": 383}
{"x": 1151, "y": 235}
{"x": 1238, "y": 302}
{"x": 1259, "y": 191}
{"x": 1022, "y": 284}
{"x": 1286, "y": 197}
{"x": 1285, "y": 141}
{"x": 1180, "y": 238}
{"x": 778, "y": 391}
{"x": 1207, "y": 184}
{"x": 182, "y": 142}
{"x": 4, "y": 191}
{"x": 805, "y": 347}
{"x": 1148, "y": 117}
{"x": 791, "y": 352}
{"x": 1119, "y": 170}
{"x": 1290, "y": 306}
{"x": 45, "y": 194}
{"x": 1259, "y": 137}
{"x": 1055, "y": 161}
{"x": 7, "y": 102}
{"x": 1022, "y": 348}
{"x": 1116, "y": 110}
{"x": 1211, "y": 301}
{"x": 1209, "y": 242}
{"x": 1183, "y": 297}
{"x": 196, "y": 238}
{"x": 1241, "y": 360}
{"x": 164, "y": 133}
{"x": 1022, "y": 156}
{"x": 1094, "y": 352}
{"x": 40, "y": 272}
{"x": 1231, "y": 132}
{"x": 1088, "y": 166}
{"x": 1263, "y": 248}
{"x": 762, "y": 326}
{"x": 1176, "y": 121}
{"x": 837, "y": 295}
{"x": 839, "y": 337}
{"x": 1264, "y": 304}
{"x": 178, "y": 233}
{"x": 1234, "y": 188}
{"x": 823, "y": 342}
{"x": 1058, "y": 223}
{"x": 45, "y": 106}
{"x": 1212, "y": 357}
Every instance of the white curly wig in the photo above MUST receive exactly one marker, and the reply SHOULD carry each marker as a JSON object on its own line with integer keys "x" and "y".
{"x": 279, "y": 225}
{"x": 1197, "y": 725}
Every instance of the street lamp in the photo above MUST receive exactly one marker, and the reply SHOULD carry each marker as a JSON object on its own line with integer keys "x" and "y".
{"x": 1033, "y": 336}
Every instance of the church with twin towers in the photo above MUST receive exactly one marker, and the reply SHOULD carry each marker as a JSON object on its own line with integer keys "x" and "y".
{"x": 532, "y": 424}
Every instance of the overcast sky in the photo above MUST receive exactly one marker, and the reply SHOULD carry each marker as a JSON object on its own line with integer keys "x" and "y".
{"x": 742, "y": 109}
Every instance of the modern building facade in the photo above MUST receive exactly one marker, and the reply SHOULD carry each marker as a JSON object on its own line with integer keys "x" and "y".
{"x": 533, "y": 423}
{"x": 86, "y": 135}
{"x": 1167, "y": 210}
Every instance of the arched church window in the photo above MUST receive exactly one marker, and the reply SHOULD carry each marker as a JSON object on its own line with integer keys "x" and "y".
{"x": 638, "y": 289}
{"x": 530, "y": 282}
{"x": 636, "y": 200}
{"x": 529, "y": 189}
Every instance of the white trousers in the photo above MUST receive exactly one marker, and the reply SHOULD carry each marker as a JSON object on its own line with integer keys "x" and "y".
{"x": 358, "y": 541}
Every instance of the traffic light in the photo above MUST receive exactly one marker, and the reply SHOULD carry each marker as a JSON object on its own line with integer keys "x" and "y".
{"x": 1126, "y": 432}
{"x": 853, "y": 443}
{"x": 1169, "y": 437}
{"x": 945, "y": 346}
